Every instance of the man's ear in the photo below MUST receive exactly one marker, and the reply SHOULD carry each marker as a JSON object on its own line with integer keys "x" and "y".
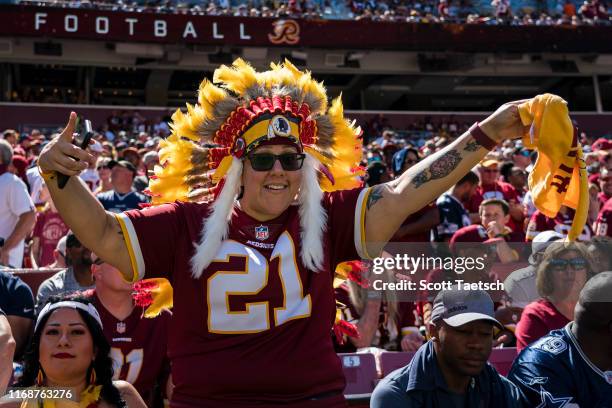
{"x": 432, "y": 331}
{"x": 506, "y": 219}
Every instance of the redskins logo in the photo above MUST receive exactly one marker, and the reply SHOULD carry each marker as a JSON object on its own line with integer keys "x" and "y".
{"x": 279, "y": 126}
{"x": 285, "y": 32}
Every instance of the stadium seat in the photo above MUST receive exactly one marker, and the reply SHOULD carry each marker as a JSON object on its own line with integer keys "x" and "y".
{"x": 33, "y": 278}
{"x": 360, "y": 373}
{"x": 391, "y": 361}
{"x": 502, "y": 359}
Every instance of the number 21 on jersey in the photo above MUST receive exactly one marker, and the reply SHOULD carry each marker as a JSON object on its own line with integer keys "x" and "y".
{"x": 252, "y": 280}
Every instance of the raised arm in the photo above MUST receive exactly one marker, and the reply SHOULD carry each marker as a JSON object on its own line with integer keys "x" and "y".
{"x": 389, "y": 204}
{"x": 96, "y": 228}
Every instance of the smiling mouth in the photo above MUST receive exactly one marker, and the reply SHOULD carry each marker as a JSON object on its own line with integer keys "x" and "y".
{"x": 276, "y": 187}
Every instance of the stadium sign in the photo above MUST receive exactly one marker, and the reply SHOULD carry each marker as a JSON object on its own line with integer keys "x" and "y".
{"x": 149, "y": 27}
{"x": 158, "y": 28}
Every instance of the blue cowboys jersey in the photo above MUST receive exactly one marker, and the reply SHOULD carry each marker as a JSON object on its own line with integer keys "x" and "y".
{"x": 453, "y": 216}
{"x": 118, "y": 203}
{"x": 555, "y": 372}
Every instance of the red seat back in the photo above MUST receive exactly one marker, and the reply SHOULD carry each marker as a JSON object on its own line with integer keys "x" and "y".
{"x": 359, "y": 371}
{"x": 502, "y": 359}
{"x": 391, "y": 361}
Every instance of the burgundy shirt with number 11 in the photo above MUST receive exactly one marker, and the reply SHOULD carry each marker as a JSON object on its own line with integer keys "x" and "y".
{"x": 254, "y": 329}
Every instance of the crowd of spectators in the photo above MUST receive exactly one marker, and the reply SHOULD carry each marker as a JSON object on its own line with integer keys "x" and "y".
{"x": 489, "y": 212}
{"x": 498, "y": 12}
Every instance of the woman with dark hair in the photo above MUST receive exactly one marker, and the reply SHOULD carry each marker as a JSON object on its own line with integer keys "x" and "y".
{"x": 564, "y": 270}
{"x": 69, "y": 351}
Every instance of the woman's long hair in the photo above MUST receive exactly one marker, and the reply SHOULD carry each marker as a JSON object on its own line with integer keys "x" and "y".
{"x": 102, "y": 363}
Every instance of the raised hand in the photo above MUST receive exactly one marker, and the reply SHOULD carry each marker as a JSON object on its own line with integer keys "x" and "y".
{"x": 60, "y": 154}
{"x": 505, "y": 123}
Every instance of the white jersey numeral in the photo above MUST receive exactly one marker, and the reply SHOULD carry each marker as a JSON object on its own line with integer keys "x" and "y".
{"x": 134, "y": 359}
{"x": 255, "y": 317}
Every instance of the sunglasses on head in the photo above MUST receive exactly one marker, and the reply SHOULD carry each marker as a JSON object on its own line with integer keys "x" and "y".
{"x": 576, "y": 263}
{"x": 265, "y": 161}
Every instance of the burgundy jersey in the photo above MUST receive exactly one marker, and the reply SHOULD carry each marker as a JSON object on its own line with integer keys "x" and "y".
{"x": 138, "y": 349}
{"x": 49, "y": 229}
{"x": 604, "y": 218}
{"x": 255, "y": 327}
{"x": 562, "y": 223}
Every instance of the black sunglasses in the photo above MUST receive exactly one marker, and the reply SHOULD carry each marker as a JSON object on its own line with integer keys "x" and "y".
{"x": 265, "y": 161}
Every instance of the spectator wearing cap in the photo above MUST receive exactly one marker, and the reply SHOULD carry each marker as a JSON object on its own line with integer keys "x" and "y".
{"x": 451, "y": 369}
{"x": 17, "y": 213}
{"x": 17, "y": 303}
{"x": 491, "y": 187}
{"x": 520, "y": 285}
{"x": 131, "y": 154}
{"x": 602, "y": 144}
{"x": 149, "y": 161}
{"x": 59, "y": 255}
{"x": 48, "y": 230}
{"x": 572, "y": 366}
{"x": 561, "y": 223}
{"x": 605, "y": 185}
{"x": 18, "y": 167}
{"x": 564, "y": 270}
{"x": 90, "y": 174}
{"x": 122, "y": 197}
{"x": 416, "y": 228}
{"x": 452, "y": 213}
{"x": 76, "y": 277}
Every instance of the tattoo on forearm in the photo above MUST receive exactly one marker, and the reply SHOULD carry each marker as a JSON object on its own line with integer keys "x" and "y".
{"x": 438, "y": 169}
{"x": 472, "y": 146}
{"x": 374, "y": 196}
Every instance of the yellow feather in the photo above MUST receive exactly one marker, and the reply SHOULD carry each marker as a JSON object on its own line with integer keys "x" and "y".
{"x": 169, "y": 184}
{"x": 237, "y": 78}
{"x": 209, "y": 95}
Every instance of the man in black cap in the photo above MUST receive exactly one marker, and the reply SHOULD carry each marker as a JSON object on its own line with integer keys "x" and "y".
{"x": 122, "y": 197}
{"x": 451, "y": 369}
{"x": 77, "y": 277}
{"x": 572, "y": 367}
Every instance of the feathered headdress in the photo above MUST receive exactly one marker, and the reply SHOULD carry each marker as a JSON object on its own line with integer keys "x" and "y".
{"x": 202, "y": 159}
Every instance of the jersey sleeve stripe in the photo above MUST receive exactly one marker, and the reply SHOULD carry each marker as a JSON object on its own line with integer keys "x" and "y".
{"x": 133, "y": 246}
{"x": 359, "y": 230}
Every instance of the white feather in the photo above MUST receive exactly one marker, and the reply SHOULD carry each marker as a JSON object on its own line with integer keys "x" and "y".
{"x": 216, "y": 226}
{"x": 313, "y": 218}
